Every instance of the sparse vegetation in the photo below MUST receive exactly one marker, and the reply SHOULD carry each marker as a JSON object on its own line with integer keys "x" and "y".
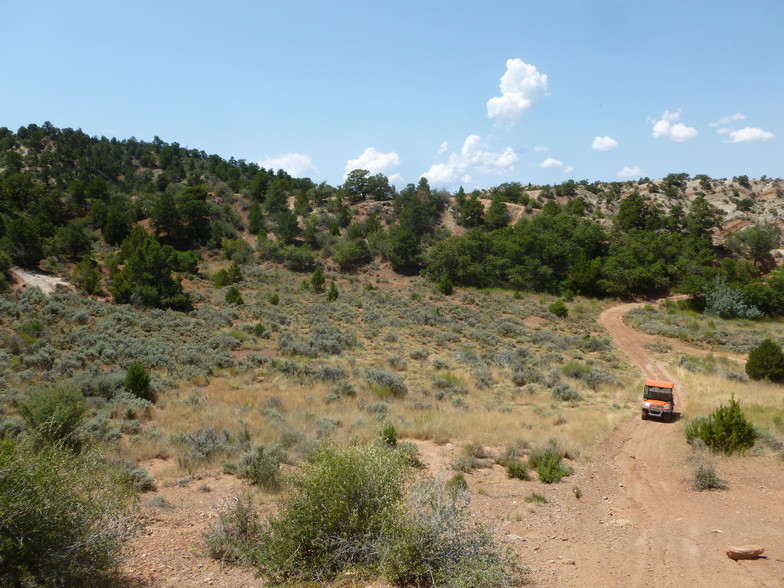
{"x": 705, "y": 478}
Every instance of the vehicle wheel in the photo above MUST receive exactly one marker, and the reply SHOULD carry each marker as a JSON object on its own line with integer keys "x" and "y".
{"x": 644, "y": 416}
{"x": 667, "y": 418}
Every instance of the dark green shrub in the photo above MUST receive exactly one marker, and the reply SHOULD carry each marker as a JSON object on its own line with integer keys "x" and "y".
{"x": 766, "y": 360}
{"x": 62, "y": 518}
{"x": 137, "y": 382}
{"x": 725, "y": 430}
{"x": 559, "y": 309}
{"x": 54, "y": 415}
{"x": 332, "y": 293}
{"x": 517, "y": 470}
{"x": 395, "y": 385}
{"x": 233, "y": 296}
{"x": 446, "y": 287}
{"x": 317, "y": 280}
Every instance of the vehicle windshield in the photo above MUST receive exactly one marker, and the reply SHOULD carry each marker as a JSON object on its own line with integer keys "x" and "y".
{"x": 656, "y": 393}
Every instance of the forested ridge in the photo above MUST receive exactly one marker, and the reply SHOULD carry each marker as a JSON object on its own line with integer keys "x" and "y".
{"x": 131, "y": 218}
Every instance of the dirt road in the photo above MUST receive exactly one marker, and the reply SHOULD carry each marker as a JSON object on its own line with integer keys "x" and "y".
{"x": 639, "y": 523}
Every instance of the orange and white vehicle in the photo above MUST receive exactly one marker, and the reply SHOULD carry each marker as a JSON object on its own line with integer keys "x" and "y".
{"x": 658, "y": 400}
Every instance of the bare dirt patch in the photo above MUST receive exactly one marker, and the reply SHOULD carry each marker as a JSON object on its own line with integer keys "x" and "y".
{"x": 44, "y": 282}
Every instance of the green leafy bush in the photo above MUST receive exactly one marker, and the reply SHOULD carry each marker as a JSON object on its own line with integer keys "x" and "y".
{"x": 341, "y": 505}
{"x": 559, "y": 309}
{"x": 766, "y": 360}
{"x": 388, "y": 435}
{"x": 54, "y": 415}
{"x": 262, "y": 466}
{"x": 517, "y": 470}
{"x": 725, "y": 430}
{"x": 62, "y": 518}
{"x": 549, "y": 465}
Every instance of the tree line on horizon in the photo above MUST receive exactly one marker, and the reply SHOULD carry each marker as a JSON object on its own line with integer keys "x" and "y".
{"x": 132, "y": 217}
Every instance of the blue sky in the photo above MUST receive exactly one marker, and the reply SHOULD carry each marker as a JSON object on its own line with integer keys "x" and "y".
{"x": 466, "y": 93}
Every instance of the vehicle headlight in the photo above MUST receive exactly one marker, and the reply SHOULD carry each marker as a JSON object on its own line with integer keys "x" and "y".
{"x": 646, "y": 404}
{"x": 667, "y": 407}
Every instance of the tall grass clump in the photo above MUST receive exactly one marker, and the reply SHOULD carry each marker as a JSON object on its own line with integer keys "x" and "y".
{"x": 63, "y": 518}
{"x": 235, "y": 536}
{"x": 436, "y": 543}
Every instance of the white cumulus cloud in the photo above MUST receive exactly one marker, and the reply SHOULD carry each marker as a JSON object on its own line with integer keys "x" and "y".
{"x": 373, "y": 161}
{"x": 551, "y": 162}
{"x": 568, "y": 169}
{"x": 630, "y": 171}
{"x": 725, "y": 120}
{"x": 604, "y": 144}
{"x": 749, "y": 134}
{"x": 296, "y": 164}
{"x": 521, "y": 85}
{"x": 443, "y": 147}
{"x": 668, "y": 128}
{"x": 472, "y": 157}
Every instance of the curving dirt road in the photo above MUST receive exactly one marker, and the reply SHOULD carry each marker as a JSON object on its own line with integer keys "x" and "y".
{"x": 639, "y": 523}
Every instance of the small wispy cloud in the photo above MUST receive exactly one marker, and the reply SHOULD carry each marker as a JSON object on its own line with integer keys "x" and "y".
{"x": 295, "y": 164}
{"x": 630, "y": 171}
{"x": 747, "y": 134}
{"x": 725, "y": 120}
{"x": 604, "y": 144}
{"x": 541, "y": 148}
{"x": 551, "y": 162}
{"x": 668, "y": 128}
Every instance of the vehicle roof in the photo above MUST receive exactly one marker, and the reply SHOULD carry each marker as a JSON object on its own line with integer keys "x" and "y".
{"x": 659, "y": 383}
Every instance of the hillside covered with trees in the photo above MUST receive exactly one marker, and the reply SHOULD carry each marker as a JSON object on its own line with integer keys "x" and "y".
{"x": 132, "y": 218}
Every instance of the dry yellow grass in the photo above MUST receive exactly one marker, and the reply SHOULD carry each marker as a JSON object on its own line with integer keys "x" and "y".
{"x": 762, "y": 402}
